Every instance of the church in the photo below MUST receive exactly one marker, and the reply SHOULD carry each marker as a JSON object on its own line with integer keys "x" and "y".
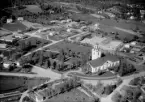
{"x": 101, "y": 63}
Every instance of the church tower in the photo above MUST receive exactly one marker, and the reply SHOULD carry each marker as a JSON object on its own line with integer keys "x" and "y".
{"x": 96, "y": 53}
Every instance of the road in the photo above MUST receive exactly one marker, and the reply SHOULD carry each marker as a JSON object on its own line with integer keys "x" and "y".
{"x": 16, "y": 94}
{"x": 19, "y": 74}
{"x": 125, "y": 30}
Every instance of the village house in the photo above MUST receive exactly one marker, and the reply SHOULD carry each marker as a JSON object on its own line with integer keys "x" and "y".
{"x": 9, "y": 20}
{"x": 3, "y": 46}
{"x": 20, "y": 18}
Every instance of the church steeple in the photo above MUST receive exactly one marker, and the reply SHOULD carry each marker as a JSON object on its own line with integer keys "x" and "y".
{"x": 96, "y": 52}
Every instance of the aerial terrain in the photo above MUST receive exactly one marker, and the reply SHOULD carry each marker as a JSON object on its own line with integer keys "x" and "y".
{"x": 72, "y": 51}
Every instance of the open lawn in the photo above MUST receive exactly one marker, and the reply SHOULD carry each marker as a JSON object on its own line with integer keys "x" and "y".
{"x": 72, "y": 96}
{"x": 103, "y": 75}
{"x": 15, "y": 26}
{"x": 12, "y": 83}
{"x": 33, "y": 8}
{"x": 72, "y": 46}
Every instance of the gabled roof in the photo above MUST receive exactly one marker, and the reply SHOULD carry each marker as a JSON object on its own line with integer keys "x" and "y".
{"x": 102, "y": 60}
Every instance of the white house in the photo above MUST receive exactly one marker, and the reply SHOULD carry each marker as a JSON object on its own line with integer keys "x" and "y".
{"x": 132, "y": 17}
{"x": 103, "y": 63}
{"x": 20, "y": 18}
{"x": 3, "y": 46}
{"x": 9, "y": 20}
{"x": 6, "y": 65}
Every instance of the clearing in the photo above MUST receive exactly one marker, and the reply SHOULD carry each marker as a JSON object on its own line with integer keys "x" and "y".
{"x": 33, "y": 8}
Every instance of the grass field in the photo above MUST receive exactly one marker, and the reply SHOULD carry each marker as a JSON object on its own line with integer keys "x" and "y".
{"x": 15, "y": 26}
{"x": 33, "y": 8}
{"x": 72, "y": 96}
{"x": 11, "y": 83}
{"x": 72, "y": 46}
{"x": 105, "y": 74}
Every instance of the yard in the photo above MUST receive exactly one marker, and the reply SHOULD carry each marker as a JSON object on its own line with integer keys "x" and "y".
{"x": 72, "y": 46}
{"x": 15, "y": 26}
{"x": 72, "y": 96}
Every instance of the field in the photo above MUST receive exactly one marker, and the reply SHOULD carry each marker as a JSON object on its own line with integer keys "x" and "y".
{"x": 72, "y": 96}
{"x": 74, "y": 47}
{"x": 11, "y": 83}
{"x": 15, "y": 26}
{"x": 30, "y": 24}
{"x": 109, "y": 25}
{"x": 33, "y": 8}
{"x": 110, "y": 22}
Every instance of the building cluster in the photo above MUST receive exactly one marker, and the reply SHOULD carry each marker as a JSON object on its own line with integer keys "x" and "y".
{"x": 10, "y": 20}
{"x": 61, "y": 29}
{"x": 135, "y": 51}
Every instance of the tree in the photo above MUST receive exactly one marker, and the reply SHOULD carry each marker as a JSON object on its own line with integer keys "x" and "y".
{"x": 48, "y": 63}
{"x": 54, "y": 64}
{"x": 41, "y": 57}
{"x": 99, "y": 87}
{"x": 3, "y": 20}
{"x": 61, "y": 55}
{"x": 84, "y": 59}
{"x": 14, "y": 18}
{"x": 95, "y": 100}
{"x": 119, "y": 81}
{"x": 116, "y": 97}
{"x": 108, "y": 90}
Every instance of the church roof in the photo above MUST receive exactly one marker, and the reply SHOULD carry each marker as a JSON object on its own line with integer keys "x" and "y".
{"x": 102, "y": 60}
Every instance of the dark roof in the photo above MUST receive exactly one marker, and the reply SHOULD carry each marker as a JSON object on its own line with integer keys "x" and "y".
{"x": 102, "y": 60}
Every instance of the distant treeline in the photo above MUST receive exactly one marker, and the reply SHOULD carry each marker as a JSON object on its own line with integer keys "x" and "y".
{"x": 95, "y": 3}
{"x": 8, "y": 3}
